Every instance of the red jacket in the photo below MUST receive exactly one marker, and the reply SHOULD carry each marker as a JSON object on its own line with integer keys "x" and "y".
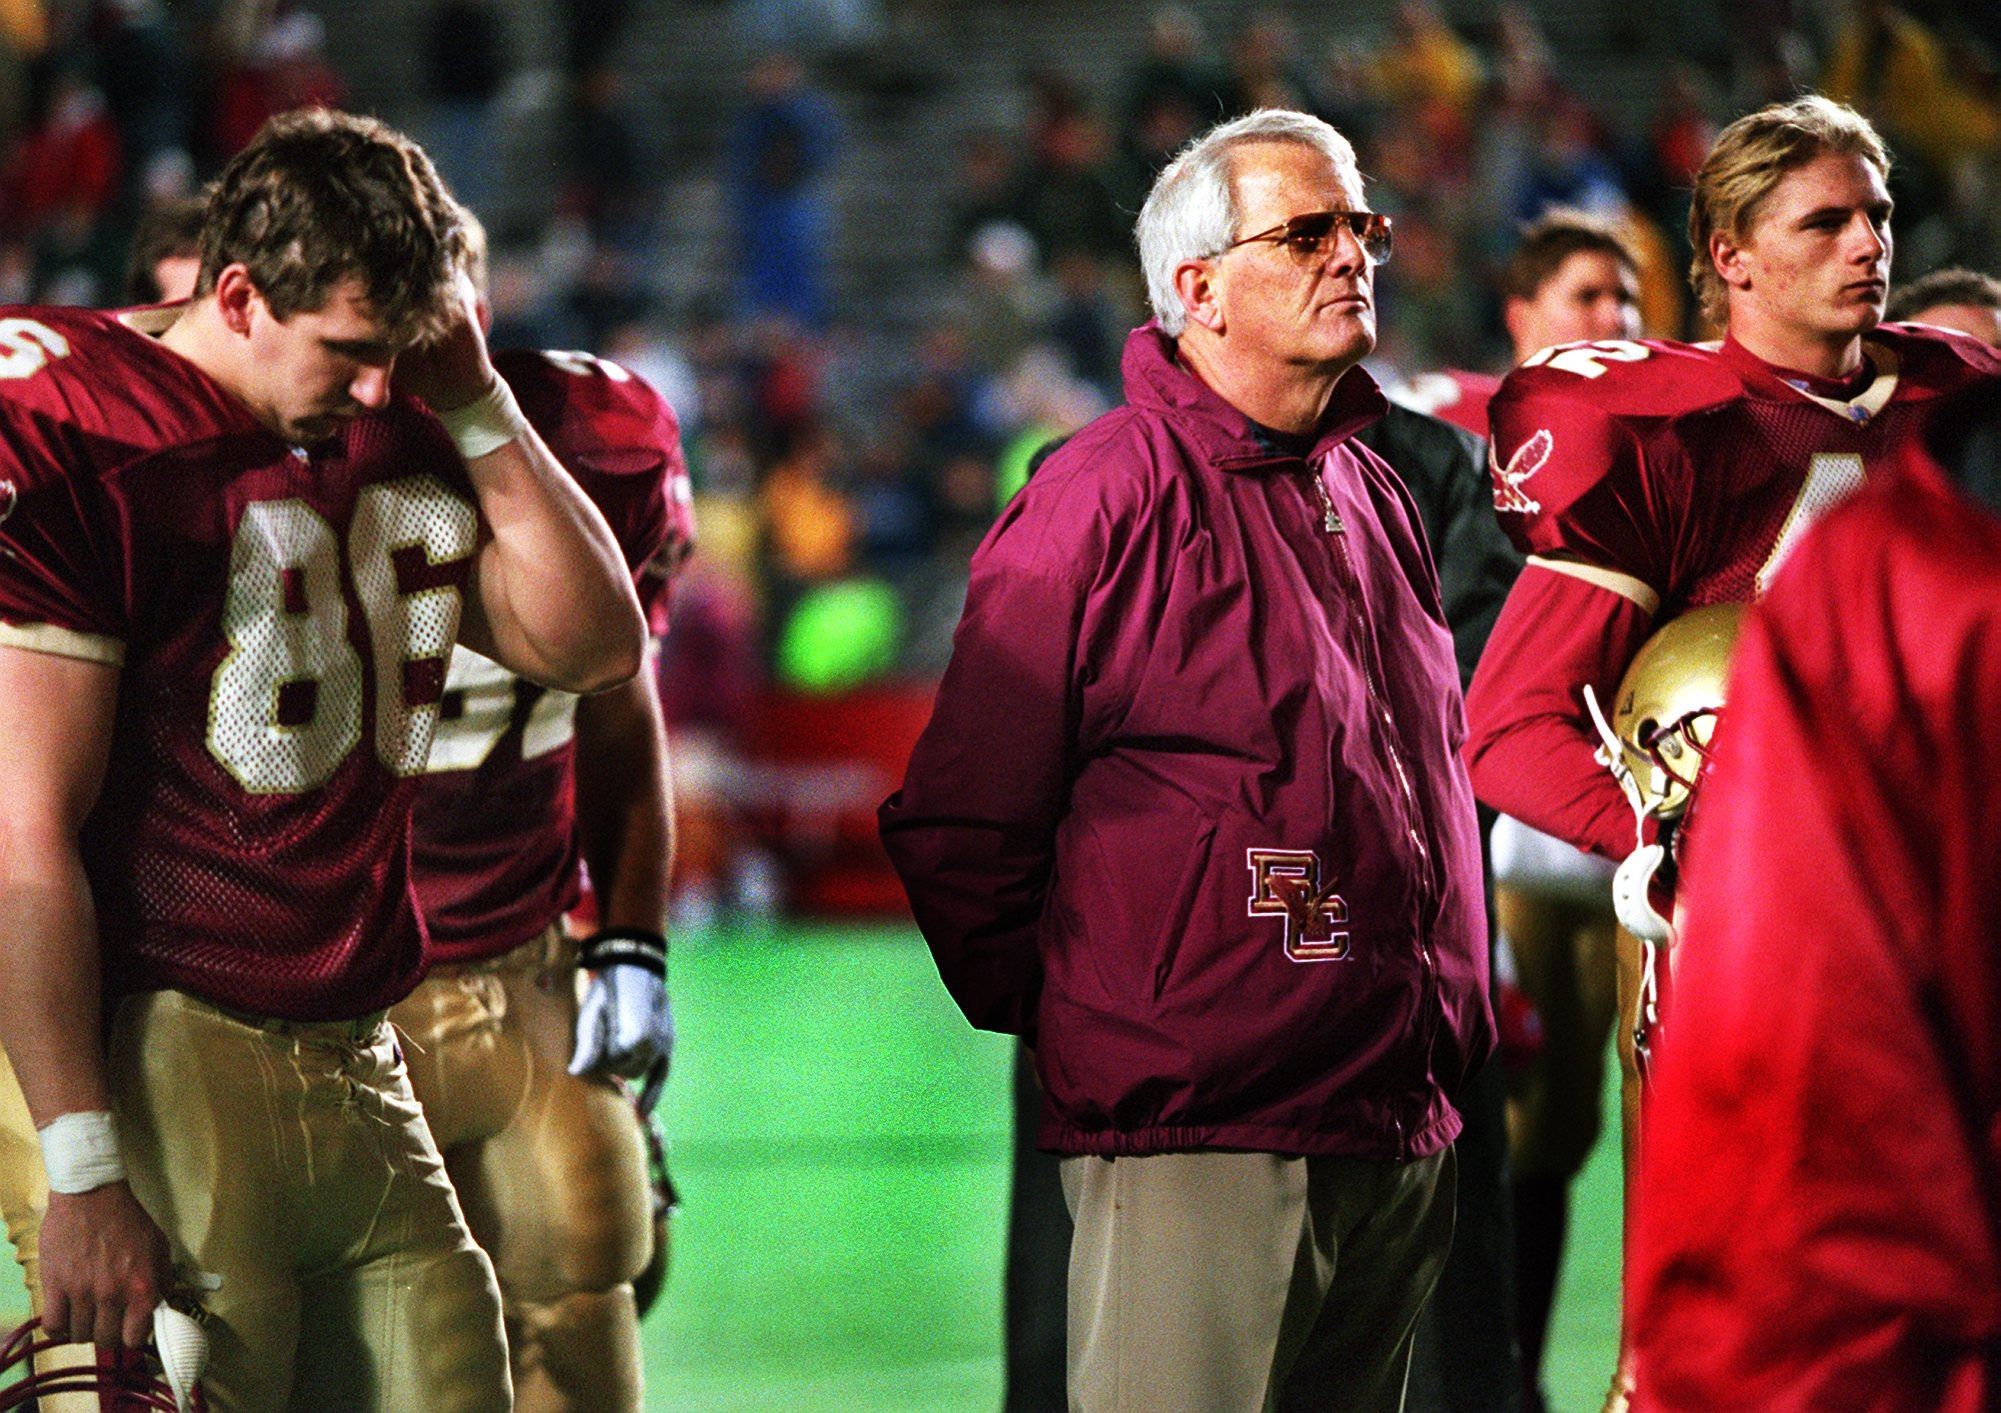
{"x": 1818, "y": 1223}
{"x": 1189, "y": 814}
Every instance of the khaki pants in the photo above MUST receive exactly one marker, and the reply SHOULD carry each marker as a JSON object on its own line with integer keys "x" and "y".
{"x": 292, "y": 1161}
{"x": 551, "y": 1168}
{"x": 24, "y": 1186}
{"x": 1214, "y": 1282}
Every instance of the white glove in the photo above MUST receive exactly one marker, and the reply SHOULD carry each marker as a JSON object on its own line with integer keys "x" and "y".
{"x": 625, "y": 1026}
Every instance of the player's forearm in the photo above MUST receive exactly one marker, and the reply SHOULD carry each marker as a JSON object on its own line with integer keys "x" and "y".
{"x": 555, "y": 596}
{"x": 49, "y": 1008}
{"x": 1530, "y": 749}
{"x": 625, "y": 817}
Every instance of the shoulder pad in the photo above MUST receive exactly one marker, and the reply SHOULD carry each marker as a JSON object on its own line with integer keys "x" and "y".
{"x": 1937, "y": 360}
{"x": 92, "y": 370}
{"x": 591, "y": 409}
{"x": 1651, "y": 378}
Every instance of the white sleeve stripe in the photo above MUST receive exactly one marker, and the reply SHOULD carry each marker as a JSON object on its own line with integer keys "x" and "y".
{"x": 1624, "y": 585}
{"x": 62, "y": 642}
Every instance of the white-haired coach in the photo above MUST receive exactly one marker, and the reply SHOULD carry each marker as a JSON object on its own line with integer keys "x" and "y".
{"x": 1189, "y": 817}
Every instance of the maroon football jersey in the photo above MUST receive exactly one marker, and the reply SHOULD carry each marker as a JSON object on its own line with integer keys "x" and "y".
{"x": 1673, "y": 476}
{"x": 496, "y": 851}
{"x": 283, "y": 617}
{"x": 1686, "y": 474}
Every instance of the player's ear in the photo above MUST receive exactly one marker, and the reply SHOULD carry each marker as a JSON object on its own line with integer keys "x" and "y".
{"x": 1728, "y": 258}
{"x": 1195, "y": 281}
{"x": 234, "y": 292}
{"x": 1514, "y": 318}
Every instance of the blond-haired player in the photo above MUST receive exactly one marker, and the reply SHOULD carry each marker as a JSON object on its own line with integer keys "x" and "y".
{"x": 1643, "y": 478}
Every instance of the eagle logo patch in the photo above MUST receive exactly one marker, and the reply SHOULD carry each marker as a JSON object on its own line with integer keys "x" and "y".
{"x": 1530, "y": 457}
{"x": 1286, "y": 883}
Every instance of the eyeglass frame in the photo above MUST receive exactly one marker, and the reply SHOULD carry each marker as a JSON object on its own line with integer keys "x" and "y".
{"x": 1351, "y": 219}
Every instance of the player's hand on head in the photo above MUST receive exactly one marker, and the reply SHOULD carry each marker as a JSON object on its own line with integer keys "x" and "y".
{"x": 455, "y": 369}
{"x": 105, "y": 1266}
{"x": 625, "y": 1026}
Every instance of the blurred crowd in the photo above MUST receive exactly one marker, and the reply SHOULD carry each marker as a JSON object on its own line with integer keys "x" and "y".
{"x": 844, "y": 472}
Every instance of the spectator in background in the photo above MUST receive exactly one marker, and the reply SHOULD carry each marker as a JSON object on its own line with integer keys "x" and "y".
{"x": 780, "y": 151}
{"x": 1172, "y": 93}
{"x": 1264, "y": 70}
{"x": 1066, "y": 199}
{"x": 143, "y": 68}
{"x": 1895, "y": 70}
{"x": 1427, "y": 63}
{"x": 60, "y": 177}
{"x": 983, "y": 192}
{"x": 465, "y": 65}
{"x": 1175, "y": 70}
{"x": 284, "y": 67}
{"x": 609, "y": 183}
{"x": 1965, "y": 300}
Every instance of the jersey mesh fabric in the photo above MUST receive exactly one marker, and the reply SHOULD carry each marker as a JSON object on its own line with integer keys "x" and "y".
{"x": 1684, "y": 468}
{"x": 250, "y": 842}
{"x": 495, "y": 844}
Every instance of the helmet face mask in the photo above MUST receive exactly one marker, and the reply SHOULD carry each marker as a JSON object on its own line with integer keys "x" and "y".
{"x": 135, "y": 1379}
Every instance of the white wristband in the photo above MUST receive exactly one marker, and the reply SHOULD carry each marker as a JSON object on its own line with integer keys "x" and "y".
{"x": 487, "y": 423}
{"x": 80, "y": 1151}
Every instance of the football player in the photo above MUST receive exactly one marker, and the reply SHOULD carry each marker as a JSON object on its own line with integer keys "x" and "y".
{"x": 1573, "y": 278}
{"x": 226, "y": 603}
{"x": 1965, "y": 300}
{"x": 1822, "y": 1172}
{"x": 541, "y": 1138}
{"x": 1643, "y": 478}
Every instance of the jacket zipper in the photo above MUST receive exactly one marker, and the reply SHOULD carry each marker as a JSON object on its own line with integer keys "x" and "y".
{"x": 1331, "y": 523}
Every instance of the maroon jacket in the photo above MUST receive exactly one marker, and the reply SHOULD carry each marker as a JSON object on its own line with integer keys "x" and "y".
{"x": 1189, "y": 815}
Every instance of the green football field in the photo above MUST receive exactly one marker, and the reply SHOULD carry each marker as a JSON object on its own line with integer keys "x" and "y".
{"x": 841, "y": 1138}
{"x": 841, "y": 1142}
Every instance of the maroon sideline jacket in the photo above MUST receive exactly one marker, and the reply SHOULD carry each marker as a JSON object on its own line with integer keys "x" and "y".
{"x": 1819, "y": 1214}
{"x": 1189, "y": 814}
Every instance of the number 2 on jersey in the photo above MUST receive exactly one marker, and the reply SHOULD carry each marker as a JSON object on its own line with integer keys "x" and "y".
{"x": 1588, "y": 360}
{"x": 285, "y": 705}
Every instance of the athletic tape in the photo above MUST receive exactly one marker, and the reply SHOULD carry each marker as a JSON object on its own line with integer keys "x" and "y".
{"x": 80, "y": 1151}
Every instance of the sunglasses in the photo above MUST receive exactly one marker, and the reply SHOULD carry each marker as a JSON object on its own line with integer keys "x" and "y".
{"x": 1308, "y": 237}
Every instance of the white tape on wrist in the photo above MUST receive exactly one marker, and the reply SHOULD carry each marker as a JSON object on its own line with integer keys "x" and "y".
{"x": 487, "y": 423}
{"x": 81, "y": 1152}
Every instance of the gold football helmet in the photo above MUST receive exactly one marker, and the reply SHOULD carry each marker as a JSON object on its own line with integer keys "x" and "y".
{"x": 1664, "y": 713}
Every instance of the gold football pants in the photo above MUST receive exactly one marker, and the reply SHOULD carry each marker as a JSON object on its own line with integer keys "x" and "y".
{"x": 292, "y": 1161}
{"x": 551, "y": 1168}
{"x": 24, "y": 1186}
{"x": 1564, "y": 963}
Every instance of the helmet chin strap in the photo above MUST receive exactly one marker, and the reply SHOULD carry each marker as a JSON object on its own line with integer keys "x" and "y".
{"x": 1612, "y": 755}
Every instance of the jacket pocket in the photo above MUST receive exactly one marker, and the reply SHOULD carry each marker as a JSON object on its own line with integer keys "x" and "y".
{"x": 1187, "y": 883}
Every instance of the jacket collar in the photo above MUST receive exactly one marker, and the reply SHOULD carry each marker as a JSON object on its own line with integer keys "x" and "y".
{"x": 1155, "y": 379}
